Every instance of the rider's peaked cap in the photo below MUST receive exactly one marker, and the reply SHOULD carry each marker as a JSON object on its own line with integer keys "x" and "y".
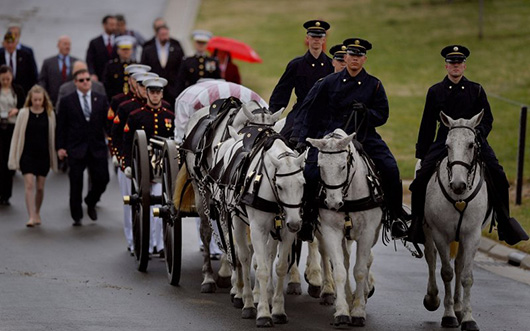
{"x": 317, "y": 28}
{"x": 156, "y": 83}
{"x": 338, "y": 52}
{"x": 455, "y": 53}
{"x": 357, "y": 46}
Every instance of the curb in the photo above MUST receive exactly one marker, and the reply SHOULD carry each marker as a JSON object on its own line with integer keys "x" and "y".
{"x": 499, "y": 251}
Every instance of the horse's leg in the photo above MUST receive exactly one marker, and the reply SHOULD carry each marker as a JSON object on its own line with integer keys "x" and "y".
{"x": 224, "y": 273}
{"x": 255, "y": 290}
{"x": 360, "y": 270}
{"x": 208, "y": 282}
{"x": 346, "y": 248}
{"x": 431, "y": 301}
{"x": 259, "y": 237}
{"x": 294, "y": 286}
{"x": 313, "y": 270}
{"x": 245, "y": 258}
{"x": 278, "y": 302}
{"x": 236, "y": 292}
{"x": 333, "y": 245}
{"x": 469, "y": 246}
{"x": 458, "y": 283}
{"x": 449, "y": 318}
{"x": 327, "y": 295}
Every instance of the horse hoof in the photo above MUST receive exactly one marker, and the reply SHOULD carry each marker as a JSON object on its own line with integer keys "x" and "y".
{"x": 279, "y": 319}
{"x": 294, "y": 289}
{"x": 459, "y": 316}
{"x": 224, "y": 282}
{"x": 372, "y": 291}
{"x": 208, "y": 288}
{"x": 341, "y": 320}
{"x": 358, "y": 321}
{"x": 449, "y": 322}
{"x": 248, "y": 313}
{"x": 431, "y": 305}
{"x": 314, "y": 291}
{"x": 469, "y": 326}
{"x": 264, "y": 322}
{"x": 238, "y": 303}
{"x": 327, "y": 299}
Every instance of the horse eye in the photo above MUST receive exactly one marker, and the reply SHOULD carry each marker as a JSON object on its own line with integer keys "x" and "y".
{"x": 279, "y": 187}
{"x": 470, "y": 146}
{"x": 343, "y": 167}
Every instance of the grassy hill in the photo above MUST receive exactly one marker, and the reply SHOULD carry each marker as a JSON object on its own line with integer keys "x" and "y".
{"x": 407, "y": 36}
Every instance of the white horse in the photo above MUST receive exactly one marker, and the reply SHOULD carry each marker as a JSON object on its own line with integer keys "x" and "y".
{"x": 456, "y": 206}
{"x": 350, "y": 213}
{"x": 281, "y": 186}
{"x": 238, "y": 119}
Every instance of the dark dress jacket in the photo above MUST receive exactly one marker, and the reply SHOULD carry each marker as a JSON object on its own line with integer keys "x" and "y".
{"x": 26, "y": 75}
{"x": 170, "y": 71}
{"x": 194, "y": 68}
{"x": 77, "y": 135}
{"x": 97, "y": 56}
{"x": 463, "y": 100}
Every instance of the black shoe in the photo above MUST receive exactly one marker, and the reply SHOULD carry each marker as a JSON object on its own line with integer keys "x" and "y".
{"x": 77, "y": 223}
{"x": 415, "y": 233}
{"x": 398, "y": 229}
{"x": 511, "y": 231}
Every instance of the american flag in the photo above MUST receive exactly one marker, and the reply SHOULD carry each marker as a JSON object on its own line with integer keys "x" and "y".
{"x": 203, "y": 94}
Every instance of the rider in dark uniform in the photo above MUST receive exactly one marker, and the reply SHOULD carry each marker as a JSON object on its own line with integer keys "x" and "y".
{"x": 114, "y": 78}
{"x": 301, "y": 74}
{"x": 355, "y": 101}
{"x": 199, "y": 65}
{"x": 459, "y": 97}
{"x": 338, "y": 52}
{"x": 153, "y": 118}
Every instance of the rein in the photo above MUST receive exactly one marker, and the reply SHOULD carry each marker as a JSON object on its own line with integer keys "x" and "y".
{"x": 344, "y": 185}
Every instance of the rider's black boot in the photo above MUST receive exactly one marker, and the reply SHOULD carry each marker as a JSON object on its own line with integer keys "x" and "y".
{"x": 510, "y": 231}
{"x": 416, "y": 234}
{"x": 309, "y": 219}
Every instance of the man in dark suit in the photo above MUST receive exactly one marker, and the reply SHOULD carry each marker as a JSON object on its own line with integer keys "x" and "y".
{"x": 57, "y": 69}
{"x": 164, "y": 57}
{"x": 21, "y": 62}
{"x": 81, "y": 138}
{"x": 16, "y": 30}
{"x": 101, "y": 49}
{"x": 69, "y": 86}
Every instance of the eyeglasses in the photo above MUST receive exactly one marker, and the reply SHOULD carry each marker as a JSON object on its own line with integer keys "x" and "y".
{"x": 81, "y": 80}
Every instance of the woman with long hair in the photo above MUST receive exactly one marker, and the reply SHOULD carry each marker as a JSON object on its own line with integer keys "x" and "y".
{"x": 33, "y": 148}
{"x": 12, "y": 98}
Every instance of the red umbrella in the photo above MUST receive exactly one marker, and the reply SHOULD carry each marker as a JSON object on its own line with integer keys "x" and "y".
{"x": 238, "y": 49}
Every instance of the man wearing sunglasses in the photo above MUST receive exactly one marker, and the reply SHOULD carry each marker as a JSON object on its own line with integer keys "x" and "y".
{"x": 81, "y": 139}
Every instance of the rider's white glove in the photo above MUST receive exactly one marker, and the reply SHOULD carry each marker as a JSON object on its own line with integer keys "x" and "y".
{"x": 115, "y": 161}
{"x": 128, "y": 172}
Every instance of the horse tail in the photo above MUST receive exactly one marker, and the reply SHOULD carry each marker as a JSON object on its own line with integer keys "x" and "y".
{"x": 453, "y": 249}
{"x": 184, "y": 201}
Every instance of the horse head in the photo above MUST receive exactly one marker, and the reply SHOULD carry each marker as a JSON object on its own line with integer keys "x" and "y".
{"x": 257, "y": 115}
{"x": 287, "y": 179}
{"x": 462, "y": 149}
{"x": 336, "y": 165}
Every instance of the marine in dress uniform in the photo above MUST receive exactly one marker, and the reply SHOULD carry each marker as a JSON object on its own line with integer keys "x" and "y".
{"x": 332, "y": 104}
{"x": 155, "y": 120}
{"x": 301, "y": 74}
{"x": 199, "y": 65}
{"x": 114, "y": 77}
{"x": 116, "y": 100}
{"x": 459, "y": 97}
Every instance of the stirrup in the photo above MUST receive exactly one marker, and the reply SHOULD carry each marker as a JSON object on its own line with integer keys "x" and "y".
{"x": 398, "y": 229}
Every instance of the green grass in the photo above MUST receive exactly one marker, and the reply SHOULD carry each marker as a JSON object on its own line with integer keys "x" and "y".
{"x": 407, "y": 36}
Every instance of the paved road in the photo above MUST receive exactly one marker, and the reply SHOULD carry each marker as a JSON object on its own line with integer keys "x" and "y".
{"x": 59, "y": 277}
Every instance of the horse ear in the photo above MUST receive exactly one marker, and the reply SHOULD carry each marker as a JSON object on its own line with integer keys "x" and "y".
{"x": 247, "y": 112}
{"x": 475, "y": 120}
{"x": 346, "y": 140}
{"x": 446, "y": 120}
{"x": 317, "y": 143}
{"x": 275, "y": 162}
{"x": 301, "y": 158}
{"x": 276, "y": 116}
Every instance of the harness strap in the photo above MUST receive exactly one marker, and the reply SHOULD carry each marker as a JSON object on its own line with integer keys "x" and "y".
{"x": 460, "y": 205}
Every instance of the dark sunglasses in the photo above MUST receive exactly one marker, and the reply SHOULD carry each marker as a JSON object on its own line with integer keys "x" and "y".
{"x": 81, "y": 80}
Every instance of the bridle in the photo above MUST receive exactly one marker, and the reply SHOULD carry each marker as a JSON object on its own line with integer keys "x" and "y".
{"x": 471, "y": 167}
{"x": 287, "y": 174}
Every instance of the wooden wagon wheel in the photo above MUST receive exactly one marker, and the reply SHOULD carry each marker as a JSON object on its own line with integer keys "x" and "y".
{"x": 141, "y": 190}
{"x": 171, "y": 217}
